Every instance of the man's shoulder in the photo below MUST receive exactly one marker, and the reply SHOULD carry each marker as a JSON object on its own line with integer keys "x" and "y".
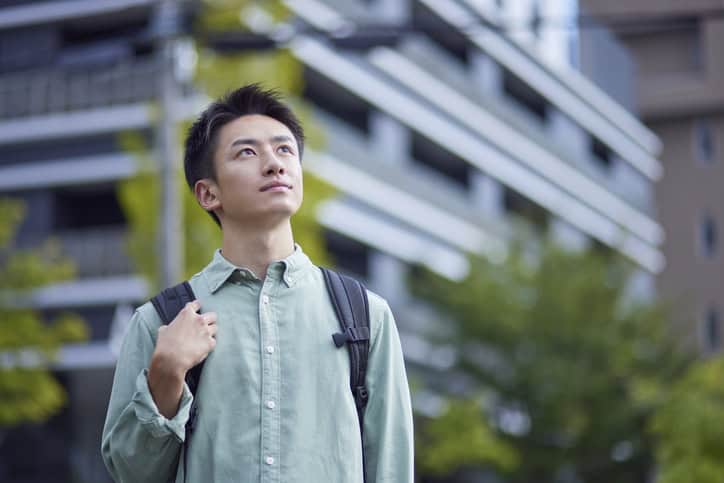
{"x": 378, "y": 304}
{"x": 148, "y": 312}
{"x": 380, "y": 314}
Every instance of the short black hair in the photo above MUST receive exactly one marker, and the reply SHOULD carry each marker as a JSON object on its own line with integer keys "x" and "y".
{"x": 201, "y": 138}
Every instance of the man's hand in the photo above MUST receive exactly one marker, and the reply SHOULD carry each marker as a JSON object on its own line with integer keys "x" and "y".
{"x": 182, "y": 344}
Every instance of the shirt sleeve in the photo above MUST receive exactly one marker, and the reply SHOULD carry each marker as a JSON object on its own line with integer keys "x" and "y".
{"x": 388, "y": 430}
{"x": 139, "y": 444}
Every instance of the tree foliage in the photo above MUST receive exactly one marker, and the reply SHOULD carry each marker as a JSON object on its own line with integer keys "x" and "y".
{"x": 691, "y": 438}
{"x": 461, "y": 437}
{"x": 564, "y": 350}
{"x": 28, "y": 390}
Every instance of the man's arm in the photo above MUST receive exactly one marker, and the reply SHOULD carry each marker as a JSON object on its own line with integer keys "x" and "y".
{"x": 389, "y": 446}
{"x": 149, "y": 407}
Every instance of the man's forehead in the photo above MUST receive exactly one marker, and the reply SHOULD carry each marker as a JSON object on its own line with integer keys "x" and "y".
{"x": 254, "y": 126}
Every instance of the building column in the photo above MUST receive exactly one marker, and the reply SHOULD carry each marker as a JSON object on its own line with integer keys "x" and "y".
{"x": 389, "y": 139}
{"x": 568, "y": 135}
{"x": 486, "y": 74}
{"x": 631, "y": 185}
{"x": 388, "y": 277}
{"x": 487, "y": 195}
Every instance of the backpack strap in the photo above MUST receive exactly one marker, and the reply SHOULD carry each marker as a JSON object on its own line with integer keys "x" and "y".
{"x": 349, "y": 299}
{"x": 168, "y": 304}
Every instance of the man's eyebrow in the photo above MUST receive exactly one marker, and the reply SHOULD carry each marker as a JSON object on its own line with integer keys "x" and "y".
{"x": 238, "y": 142}
{"x": 255, "y": 142}
{"x": 281, "y": 138}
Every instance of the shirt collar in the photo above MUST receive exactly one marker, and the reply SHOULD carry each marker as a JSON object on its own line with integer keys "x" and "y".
{"x": 290, "y": 269}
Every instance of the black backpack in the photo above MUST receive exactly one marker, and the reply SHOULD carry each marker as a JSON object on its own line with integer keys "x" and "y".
{"x": 349, "y": 298}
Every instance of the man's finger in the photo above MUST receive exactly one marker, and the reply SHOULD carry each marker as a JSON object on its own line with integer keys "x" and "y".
{"x": 193, "y": 306}
{"x": 209, "y": 317}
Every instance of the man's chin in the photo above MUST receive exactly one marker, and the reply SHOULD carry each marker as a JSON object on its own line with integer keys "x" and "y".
{"x": 270, "y": 217}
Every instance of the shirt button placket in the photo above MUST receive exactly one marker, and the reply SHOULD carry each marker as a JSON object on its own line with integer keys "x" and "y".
{"x": 270, "y": 424}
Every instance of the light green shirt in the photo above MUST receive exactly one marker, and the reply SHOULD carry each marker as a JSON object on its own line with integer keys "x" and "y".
{"x": 274, "y": 401}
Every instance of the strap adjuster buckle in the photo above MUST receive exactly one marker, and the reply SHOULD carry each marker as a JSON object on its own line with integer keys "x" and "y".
{"x": 351, "y": 334}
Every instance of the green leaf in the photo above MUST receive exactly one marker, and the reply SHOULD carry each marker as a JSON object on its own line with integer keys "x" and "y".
{"x": 460, "y": 437}
{"x": 28, "y": 390}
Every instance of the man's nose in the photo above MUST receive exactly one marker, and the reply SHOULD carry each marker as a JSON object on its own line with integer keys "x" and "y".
{"x": 273, "y": 165}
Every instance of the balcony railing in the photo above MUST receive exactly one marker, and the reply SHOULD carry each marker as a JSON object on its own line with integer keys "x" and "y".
{"x": 97, "y": 252}
{"x": 39, "y": 92}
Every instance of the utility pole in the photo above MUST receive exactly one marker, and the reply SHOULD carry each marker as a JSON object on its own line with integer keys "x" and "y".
{"x": 170, "y": 243}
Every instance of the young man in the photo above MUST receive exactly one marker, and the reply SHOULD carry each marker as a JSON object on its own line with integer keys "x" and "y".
{"x": 274, "y": 401}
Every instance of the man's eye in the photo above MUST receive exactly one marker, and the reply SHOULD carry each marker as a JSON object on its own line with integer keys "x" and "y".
{"x": 286, "y": 149}
{"x": 246, "y": 152}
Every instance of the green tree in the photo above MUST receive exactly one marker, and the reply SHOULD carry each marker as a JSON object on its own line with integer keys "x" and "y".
{"x": 690, "y": 436}
{"x": 28, "y": 390}
{"x": 460, "y": 437}
{"x": 562, "y": 349}
{"x": 215, "y": 75}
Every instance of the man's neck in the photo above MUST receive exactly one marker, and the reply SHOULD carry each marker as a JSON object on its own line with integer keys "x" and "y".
{"x": 257, "y": 249}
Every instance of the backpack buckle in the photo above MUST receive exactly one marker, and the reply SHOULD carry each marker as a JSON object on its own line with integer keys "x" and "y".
{"x": 361, "y": 395}
{"x": 351, "y": 334}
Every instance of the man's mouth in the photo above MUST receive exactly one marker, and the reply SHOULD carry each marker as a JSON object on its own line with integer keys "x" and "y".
{"x": 276, "y": 187}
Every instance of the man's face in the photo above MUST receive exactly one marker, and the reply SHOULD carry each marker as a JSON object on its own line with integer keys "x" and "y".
{"x": 258, "y": 172}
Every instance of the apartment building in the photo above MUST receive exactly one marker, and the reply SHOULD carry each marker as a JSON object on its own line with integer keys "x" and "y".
{"x": 442, "y": 135}
{"x": 74, "y": 74}
{"x": 678, "y": 48}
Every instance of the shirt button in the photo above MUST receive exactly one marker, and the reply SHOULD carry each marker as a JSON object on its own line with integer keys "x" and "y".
{"x": 270, "y": 404}
{"x": 269, "y": 460}
{"x": 270, "y": 349}
{"x": 265, "y": 299}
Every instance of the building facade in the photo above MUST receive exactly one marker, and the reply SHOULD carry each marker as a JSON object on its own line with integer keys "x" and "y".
{"x": 679, "y": 54}
{"x": 443, "y": 136}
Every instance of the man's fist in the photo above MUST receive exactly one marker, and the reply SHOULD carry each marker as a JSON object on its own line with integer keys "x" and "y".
{"x": 188, "y": 339}
{"x": 182, "y": 344}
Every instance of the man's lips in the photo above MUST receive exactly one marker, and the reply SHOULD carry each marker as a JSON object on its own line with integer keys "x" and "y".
{"x": 276, "y": 187}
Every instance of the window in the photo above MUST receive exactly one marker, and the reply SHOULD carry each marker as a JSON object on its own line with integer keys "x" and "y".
{"x": 335, "y": 100}
{"x": 708, "y": 236}
{"x": 349, "y": 255}
{"x": 27, "y": 48}
{"x": 432, "y": 156}
{"x": 704, "y": 149}
{"x": 87, "y": 207}
{"x": 524, "y": 95}
{"x": 516, "y": 203}
{"x": 455, "y": 43}
{"x": 712, "y": 330}
{"x": 602, "y": 154}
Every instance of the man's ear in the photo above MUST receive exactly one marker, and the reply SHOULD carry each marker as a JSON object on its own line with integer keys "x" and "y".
{"x": 206, "y": 192}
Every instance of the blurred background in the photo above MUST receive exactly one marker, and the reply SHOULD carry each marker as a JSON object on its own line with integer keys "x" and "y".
{"x": 535, "y": 186}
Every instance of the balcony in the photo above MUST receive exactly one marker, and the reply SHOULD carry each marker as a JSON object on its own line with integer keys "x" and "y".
{"x": 97, "y": 252}
{"x": 49, "y": 91}
{"x": 514, "y": 118}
